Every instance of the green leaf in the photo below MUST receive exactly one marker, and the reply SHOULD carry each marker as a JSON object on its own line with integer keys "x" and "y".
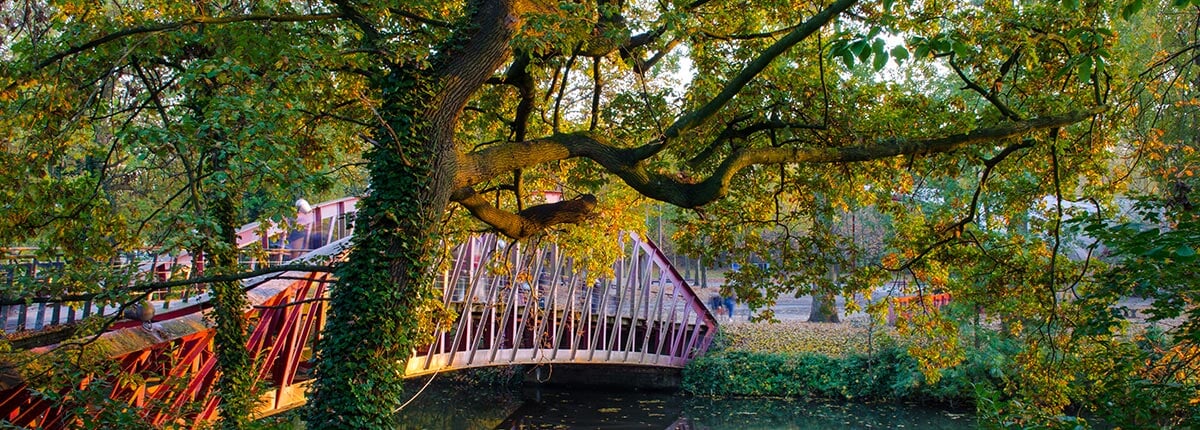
{"x": 961, "y": 49}
{"x": 1085, "y": 69}
{"x": 848, "y": 58}
{"x": 899, "y": 53}
{"x": 922, "y": 51}
{"x": 1131, "y": 9}
{"x": 1185, "y": 251}
{"x": 861, "y": 49}
{"x": 940, "y": 45}
{"x": 1071, "y": 4}
{"x": 881, "y": 56}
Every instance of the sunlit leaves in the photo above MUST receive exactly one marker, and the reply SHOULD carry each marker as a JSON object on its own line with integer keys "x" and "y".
{"x": 866, "y": 47}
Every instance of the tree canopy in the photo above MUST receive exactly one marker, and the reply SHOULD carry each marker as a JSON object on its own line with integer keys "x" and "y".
{"x": 966, "y": 133}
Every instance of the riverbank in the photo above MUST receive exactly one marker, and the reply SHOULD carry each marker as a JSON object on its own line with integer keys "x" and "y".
{"x": 844, "y": 361}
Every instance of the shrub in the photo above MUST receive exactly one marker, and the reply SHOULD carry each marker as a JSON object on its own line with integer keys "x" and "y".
{"x": 889, "y": 375}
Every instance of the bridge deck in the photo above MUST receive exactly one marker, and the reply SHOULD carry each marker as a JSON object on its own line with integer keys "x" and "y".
{"x": 522, "y": 307}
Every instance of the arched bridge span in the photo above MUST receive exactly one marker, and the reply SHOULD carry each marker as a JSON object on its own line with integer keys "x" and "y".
{"x": 515, "y": 304}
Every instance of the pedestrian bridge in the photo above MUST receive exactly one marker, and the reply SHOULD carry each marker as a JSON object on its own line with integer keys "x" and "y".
{"x": 515, "y": 304}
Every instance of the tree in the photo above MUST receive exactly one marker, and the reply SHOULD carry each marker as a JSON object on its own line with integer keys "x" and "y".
{"x": 481, "y": 104}
{"x": 154, "y": 149}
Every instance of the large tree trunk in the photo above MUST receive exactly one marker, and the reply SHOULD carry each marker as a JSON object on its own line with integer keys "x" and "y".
{"x": 383, "y": 305}
{"x": 380, "y": 307}
{"x": 824, "y": 305}
{"x": 824, "y": 309}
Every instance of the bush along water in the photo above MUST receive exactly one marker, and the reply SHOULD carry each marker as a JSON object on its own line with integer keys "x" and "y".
{"x": 890, "y": 374}
{"x": 1147, "y": 380}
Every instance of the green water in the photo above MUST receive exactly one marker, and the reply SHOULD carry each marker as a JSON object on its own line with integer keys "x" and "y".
{"x": 546, "y": 408}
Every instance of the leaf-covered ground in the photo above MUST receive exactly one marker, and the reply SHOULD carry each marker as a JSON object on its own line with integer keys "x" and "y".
{"x": 836, "y": 340}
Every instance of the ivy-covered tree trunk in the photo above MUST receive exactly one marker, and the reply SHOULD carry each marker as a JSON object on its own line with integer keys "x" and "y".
{"x": 383, "y": 305}
{"x": 213, "y": 195}
{"x": 379, "y": 308}
{"x": 236, "y": 383}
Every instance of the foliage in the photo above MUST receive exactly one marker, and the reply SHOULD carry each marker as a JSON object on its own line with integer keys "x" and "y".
{"x": 889, "y": 375}
{"x": 1153, "y": 258}
{"x": 940, "y": 142}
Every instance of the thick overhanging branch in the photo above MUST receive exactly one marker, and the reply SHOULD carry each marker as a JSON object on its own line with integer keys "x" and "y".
{"x": 683, "y": 191}
{"x": 731, "y": 132}
{"x": 690, "y": 195}
{"x": 749, "y": 36}
{"x": 530, "y": 221}
{"x": 487, "y": 163}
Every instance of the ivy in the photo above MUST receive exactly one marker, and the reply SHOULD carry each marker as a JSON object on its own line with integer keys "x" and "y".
{"x": 382, "y": 306}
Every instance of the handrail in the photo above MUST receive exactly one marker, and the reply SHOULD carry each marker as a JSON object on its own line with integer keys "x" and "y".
{"x": 539, "y": 310}
{"x": 327, "y": 222}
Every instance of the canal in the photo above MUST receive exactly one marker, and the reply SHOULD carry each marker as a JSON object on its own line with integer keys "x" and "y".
{"x": 448, "y": 407}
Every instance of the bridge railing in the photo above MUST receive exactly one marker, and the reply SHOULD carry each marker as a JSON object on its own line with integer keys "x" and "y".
{"x": 530, "y": 305}
{"x": 516, "y": 304}
{"x": 262, "y": 245}
{"x": 902, "y": 308}
{"x": 168, "y": 370}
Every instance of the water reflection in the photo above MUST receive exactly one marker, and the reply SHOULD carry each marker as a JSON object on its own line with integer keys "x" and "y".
{"x": 804, "y": 415}
{"x": 551, "y": 408}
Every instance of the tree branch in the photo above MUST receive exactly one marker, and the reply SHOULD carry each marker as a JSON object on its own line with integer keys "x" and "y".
{"x": 990, "y": 96}
{"x": 180, "y": 24}
{"x": 680, "y": 190}
{"x": 735, "y": 85}
{"x": 419, "y": 18}
{"x": 530, "y": 221}
{"x": 750, "y": 36}
{"x": 158, "y": 286}
{"x": 731, "y": 133}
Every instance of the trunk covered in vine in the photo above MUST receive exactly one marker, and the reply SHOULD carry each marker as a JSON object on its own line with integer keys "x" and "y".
{"x": 380, "y": 305}
{"x": 383, "y": 305}
{"x": 236, "y": 383}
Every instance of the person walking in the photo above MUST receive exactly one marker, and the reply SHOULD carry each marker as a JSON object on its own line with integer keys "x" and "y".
{"x": 730, "y": 300}
{"x": 715, "y": 302}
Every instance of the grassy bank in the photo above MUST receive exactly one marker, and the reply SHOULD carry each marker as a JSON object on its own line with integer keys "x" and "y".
{"x": 809, "y": 360}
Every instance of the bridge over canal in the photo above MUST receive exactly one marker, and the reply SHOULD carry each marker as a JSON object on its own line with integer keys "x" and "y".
{"x": 515, "y": 304}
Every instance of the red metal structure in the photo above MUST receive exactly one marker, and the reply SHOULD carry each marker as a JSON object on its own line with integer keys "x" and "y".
{"x": 515, "y": 305}
{"x": 903, "y": 307}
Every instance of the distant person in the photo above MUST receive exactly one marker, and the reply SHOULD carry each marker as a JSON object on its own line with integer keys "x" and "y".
{"x": 715, "y": 303}
{"x": 730, "y": 300}
{"x": 297, "y": 240}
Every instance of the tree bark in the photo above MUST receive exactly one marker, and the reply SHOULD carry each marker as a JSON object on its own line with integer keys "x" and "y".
{"x": 383, "y": 306}
{"x": 235, "y": 383}
{"x": 824, "y": 305}
{"x": 824, "y": 309}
